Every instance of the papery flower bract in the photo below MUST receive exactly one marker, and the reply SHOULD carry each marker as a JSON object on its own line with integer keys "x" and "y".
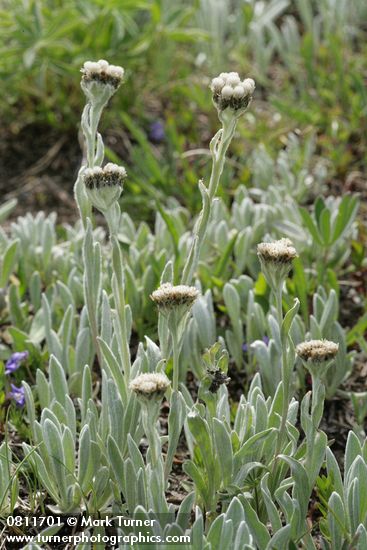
{"x": 169, "y": 298}
{"x": 15, "y": 360}
{"x": 18, "y": 395}
{"x": 229, "y": 91}
{"x": 276, "y": 261}
{"x": 150, "y": 385}
{"x": 104, "y": 185}
{"x": 100, "y": 80}
{"x": 317, "y": 351}
{"x": 281, "y": 251}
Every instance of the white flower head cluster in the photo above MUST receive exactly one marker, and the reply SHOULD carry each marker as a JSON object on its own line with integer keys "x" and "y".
{"x": 150, "y": 385}
{"x": 317, "y": 351}
{"x": 280, "y": 252}
{"x": 276, "y": 261}
{"x": 168, "y": 297}
{"x": 104, "y": 185}
{"x": 102, "y": 71}
{"x": 229, "y": 91}
{"x": 109, "y": 176}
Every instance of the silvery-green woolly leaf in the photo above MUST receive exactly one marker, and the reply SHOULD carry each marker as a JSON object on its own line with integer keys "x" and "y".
{"x": 288, "y": 320}
{"x": 116, "y": 413}
{"x": 280, "y": 539}
{"x": 220, "y": 532}
{"x": 250, "y": 447}
{"x": 318, "y": 457}
{"x": 200, "y": 482}
{"x": 334, "y": 472}
{"x": 243, "y": 539}
{"x": 55, "y": 450}
{"x": 86, "y": 390}
{"x": 130, "y": 484}
{"x": 41, "y": 471}
{"x": 361, "y": 536}
{"x": 85, "y": 466}
{"x": 69, "y": 449}
{"x": 301, "y": 490}
{"x": 135, "y": 454}
{"x": 271, "y": 509}
{"x": 58, "y": 383}
{"x": 31, "y": 409}
{"x": 117, "y": 463}
{"x": 336, "y": 520}
{"x": 114, "y": 369}
{"x": 223, "y": 451}
{"x": 352, "y": 499}
{"x": 176, "y": 418}
{"x": 352, "y": 450}
{"x": 256, "y": 527}
{"x": 183, "y": 518}
{"x": 9, "y": 258}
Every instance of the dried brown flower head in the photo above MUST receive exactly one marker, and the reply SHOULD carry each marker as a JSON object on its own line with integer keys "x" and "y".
{"x": 168, "y": 297}
{"x": 317, "y": 351}
{"x": 150, "y": 385}
{"x": 101, "y": 71}
{"x": 279, "y": 252}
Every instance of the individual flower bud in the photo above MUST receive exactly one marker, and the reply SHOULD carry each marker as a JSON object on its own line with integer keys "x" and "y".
{"x": 276, "y": 261}
{"x": 238, "y": 92}
{"x": 104, "y": 185}
{"x": 249, "y": 86}
{"x": 317, "y": 351}
{"x": 233, "y": 79}
{"x": 217, "y": 84}
{"x": 100, "y": 80}
{"x": 229, "y": 91}
{"x": 178, "y": 298}
{"x": 150, "y": 386}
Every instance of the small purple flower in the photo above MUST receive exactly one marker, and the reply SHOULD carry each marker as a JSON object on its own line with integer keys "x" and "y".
{"x": 14, "y": 361}
{"x": 266, "y": 340}
{"x": 156, "y": 132}
{"x": 18, "y": 395}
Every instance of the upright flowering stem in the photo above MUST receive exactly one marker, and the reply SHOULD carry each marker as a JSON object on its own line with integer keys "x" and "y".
{"x": 175, "y": 358}
{"x": 231, "y": 97}
{"x": 175, "y": 303}
{"x": 317, "y": 356}
{"x": 118, "y": 287}
{"x": 276, "y": 262}
{"x": 98, "y": 187}
{"x": 150, "y": 388}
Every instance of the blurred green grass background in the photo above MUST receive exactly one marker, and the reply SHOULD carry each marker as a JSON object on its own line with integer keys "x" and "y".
{"x": 308, "y": 57}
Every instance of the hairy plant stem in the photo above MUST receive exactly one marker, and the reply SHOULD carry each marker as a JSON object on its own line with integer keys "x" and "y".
{"x": 317, "y": 396}
{"x": 282, "y": 433}
{"x": 93, "y": 115}
{"x": 118, "y": 287}
{"x": 150, "y": 429}
{"x": 175, "y": 357}
{"x": 219, "y": 146}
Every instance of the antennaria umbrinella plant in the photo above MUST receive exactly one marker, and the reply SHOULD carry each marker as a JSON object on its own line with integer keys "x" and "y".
{"x": 100, "y": 440}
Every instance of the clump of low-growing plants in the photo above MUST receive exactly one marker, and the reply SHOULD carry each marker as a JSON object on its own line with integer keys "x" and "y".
{"x": 111, "y": 319}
